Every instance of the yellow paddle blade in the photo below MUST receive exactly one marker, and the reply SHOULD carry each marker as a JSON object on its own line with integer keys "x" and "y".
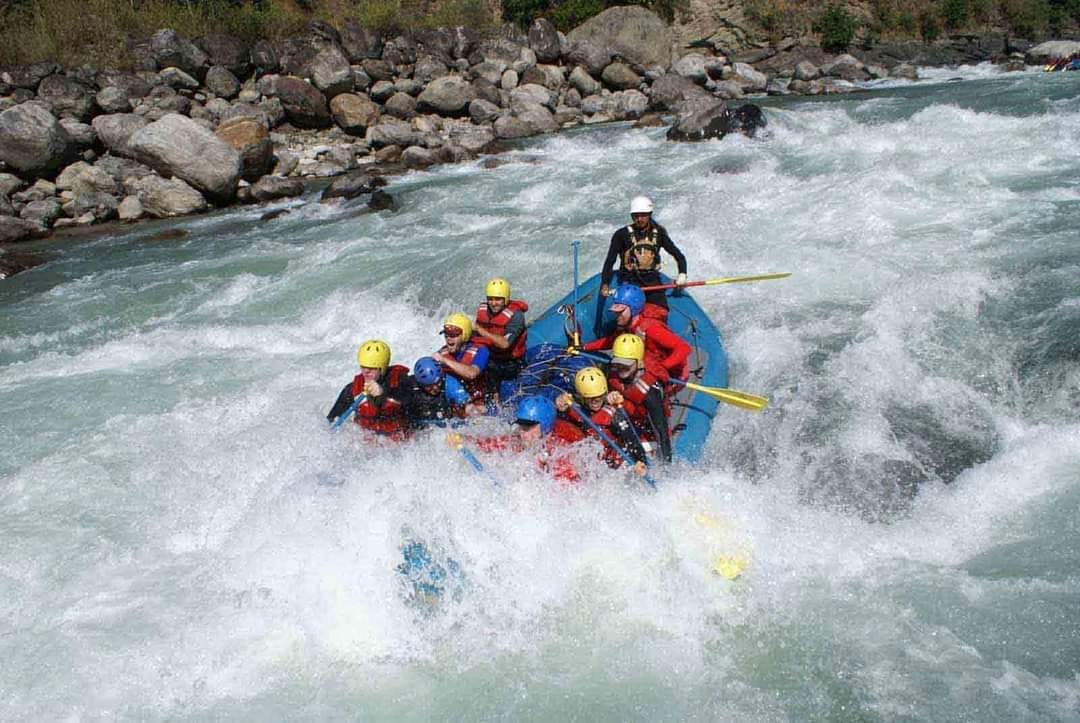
{"x": 727, "y": 567}
{"x": 743, "y": 400}
{"x": 740, "y": 279}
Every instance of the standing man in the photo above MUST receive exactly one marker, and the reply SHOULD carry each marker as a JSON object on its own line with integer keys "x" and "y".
{"x": 500, "y": 326}
{"x": 637, "y": 247}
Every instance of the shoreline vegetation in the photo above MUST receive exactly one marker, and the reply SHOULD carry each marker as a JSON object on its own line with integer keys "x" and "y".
{"x": 129, "y": 109}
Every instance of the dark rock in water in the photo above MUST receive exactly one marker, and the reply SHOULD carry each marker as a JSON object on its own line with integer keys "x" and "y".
{"x": 718, "y": 121}
{"x": 382, "y": 201}
{"x": 276, "y": 213}
{"x": 350, "y": 186}
{"x": 169, "y": 234}
{"x": 14, "y": 262}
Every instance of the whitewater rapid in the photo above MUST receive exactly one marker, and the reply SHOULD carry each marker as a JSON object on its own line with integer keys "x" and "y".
{"x": 182, "y": 537}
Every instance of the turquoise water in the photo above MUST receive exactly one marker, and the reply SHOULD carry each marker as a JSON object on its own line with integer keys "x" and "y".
{"x": 182, "y": 538}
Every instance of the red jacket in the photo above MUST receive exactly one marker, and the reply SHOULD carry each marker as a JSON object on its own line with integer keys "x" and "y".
{"x": 666, "y": 353}
{"x": 634, "y": 392}
{"x": 388, "y": 416}
{"x": 550, "y": 460}
{"x": 496, "y": 324}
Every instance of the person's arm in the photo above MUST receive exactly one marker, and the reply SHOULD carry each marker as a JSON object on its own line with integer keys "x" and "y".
{"x": 654, "y": 412}
{"x": 466, "y": 371}
{"x": 343, "y": 401}
{"x": 612, "y": 254}
{"x": 668, "y": 245}
{"x": 600, "y": 344}
{"x": 505, "y": 341}
{"x": 678, "y": 350}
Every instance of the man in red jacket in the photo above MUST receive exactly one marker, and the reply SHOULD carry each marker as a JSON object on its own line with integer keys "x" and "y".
{"x": 383, "y": 387}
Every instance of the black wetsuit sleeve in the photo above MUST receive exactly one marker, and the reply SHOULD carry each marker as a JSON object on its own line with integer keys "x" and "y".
{"x": 623, "y": 434}
{"x": 668, "y": 245}
{"x": 343, "y": 401}
{"x": 515, "y": 328}
{"x": 654, "y": 410}
{"x": 616, "y": 247}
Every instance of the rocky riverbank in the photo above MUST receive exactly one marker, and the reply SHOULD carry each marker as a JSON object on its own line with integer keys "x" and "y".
{"x": 212, "y": 121}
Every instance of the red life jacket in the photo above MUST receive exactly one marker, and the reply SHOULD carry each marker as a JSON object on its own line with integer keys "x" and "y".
{"x": 387, "y": 418}
{"x": 634, "y": 393}
{"x": 475, "y": 387}
{"x": 661, "y": 358}
{"x": 551, "y": 458}
{"x": 602, "y": 418}
{"x": 496, "y": 324}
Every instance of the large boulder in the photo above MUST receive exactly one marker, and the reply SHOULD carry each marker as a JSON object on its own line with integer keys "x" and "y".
{"x": 583, "y": 81}
{"x": 544, "y": 40}
{"x": 179, "y": 147}
{"x": 449, "y": 95}
{"x": 718, "y": 121}
{"x": 473, "y": 139}
{"x": 18, "y": 229}
{"x": 43, "y": 212}
{"x": 165, "y": 198}
{"x": 81, "y": 177}
{"x": 360, "y": 43}
{"x": 133, "y": 86}
{"x": 747, "y": 78}
{"x": 392, "y": 132}
{"x": 400, "y": 105}
{"x": 589, "y": 55}
{"x": 532, "y": 93}
{"x": 510, "y": 126}
{"x": 537, "y": 117}
{"x": 691, "y": 66}
{"x": 170, "y": 49}
{"x": 633, "y": 33}
{"x": 66, "y": 97}
{"x": 846, "y": 67}
{"x": 354, "y": 114}
{"x": 32, "y": 142}
{"x": 1043, "y": 53}
{"x": 115, "y": 131}
{"x": 320, "y": 61}
{"x": 350, "y": 186}
{"x": 252, "y": 141}
{"x": 482, "y": 111}
{"x": 221, "y": 82}
{"x": 81, "y": 134}
{"x": 549, "y": 76}
{"x": 305, "y": 106}
{"x": 226, "y": 51}
{"x": 101, "y": 206}
{"x": 113, "y": 100}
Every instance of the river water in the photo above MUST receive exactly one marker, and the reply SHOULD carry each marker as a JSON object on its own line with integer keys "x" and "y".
{"x": 182, "y": 538}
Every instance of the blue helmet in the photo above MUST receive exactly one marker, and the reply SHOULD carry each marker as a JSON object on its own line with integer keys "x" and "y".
{"x": 427, "y": 371}
{"x": 630, "y": 295}
{"x": 537, "y": 409}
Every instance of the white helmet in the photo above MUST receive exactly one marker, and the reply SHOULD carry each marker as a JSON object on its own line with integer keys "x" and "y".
{"x": 640, "y": 204}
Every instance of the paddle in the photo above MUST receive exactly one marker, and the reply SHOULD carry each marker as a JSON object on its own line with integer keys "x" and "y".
{"x": 348, "y": 412}
{"x": 625, "y": 418}
{"x": 459, "y": 444}
{"x": 743, "y": 400}
{"x": 577, "y": 336}
{"x": 715, "y": 282}
{"x": 608, "y": 440}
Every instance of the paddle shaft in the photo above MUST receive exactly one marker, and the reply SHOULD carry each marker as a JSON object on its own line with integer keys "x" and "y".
{"x": 608, "y": 440}
{"x": 348, "y": 412}
{"x": 576, "y": 246}
{"x": 716, "y": 282}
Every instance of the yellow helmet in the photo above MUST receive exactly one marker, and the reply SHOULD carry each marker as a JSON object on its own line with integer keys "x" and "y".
{"x": 499, "y": 288}
{"x": 590, "y": 382}
{"x": 461, "y": 322}
{"x": 374, "y": 354}
{"x": 628, "y": 346}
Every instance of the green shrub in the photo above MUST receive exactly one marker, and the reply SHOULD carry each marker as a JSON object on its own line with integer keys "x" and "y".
{"x": 473, "y": 14}
{"x": 929, "y": 27}
{"x": 523, "y": 12}
{"x": 906, "y": 22}
{"x": 1026, "y": 18}
{"x": 954, "y": 13}
{"x": 571, "y": 13}
{"x": 837, "y": 29}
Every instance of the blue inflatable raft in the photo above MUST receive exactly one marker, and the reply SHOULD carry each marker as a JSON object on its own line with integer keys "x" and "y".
{"x": 692, "y": 412}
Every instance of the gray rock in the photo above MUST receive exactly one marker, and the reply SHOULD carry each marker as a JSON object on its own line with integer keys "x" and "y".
{"x": 17, "y": 229}
{"x": 392, "y": 132}
{"x": 10, "y": 183}
{"x": 170, "y": 49}
{"x": 305, "y": 106}
{"x": 509, "y": 79}
{"x": 620, "y": 76}
{"x": 163, "y": 100}
{"x": 471, "y": 138}
{"x": 876, "y": 72}
{"x": 43, "y": 213}
{"x": 82, "y": 135}
{"x": 264, "y": 58}
{"x": 123, "y": 170}
{"x": 418, "y": 157}
{"x": 747, "y": 78}
{"x": 113, "y": 100}
{"x": 81, "y": 178}
{"x": 544, "y": 40}
{"x": 381, "y": 91}
{"x": 351, "y": 186}
{"x": 130, "y": 209}
{"x": 846, "y": 67}
{"x": 165, "y": 198}
{"x": 805, "y": 70}
{"x": 671, "y": 89}
{"x": 408, "y": 86}
{"x": 590, "y": 55}
{"x": 274, "y": 110}
{"x": 221, "y": 82}
{"x": 400, "y": 50}
{"x": 66, "y": 98}
{"x": 571, "y": 98}
{"x": 429, "y": 68}
{"x": 726, "y": 89}
{"x": 378, "y": 70}
{"x": 549, "y": 76}
{"x": 176, "y": 146}
{"x": 499, "y": 50}
{"x": 6, "y": 209}
{"x": 401, "y": 105}
{"x": 177, "y": 79}
{"x": 360, "y": 43}
{"x": 692, "y": 67}
{"x": 1043, "y": 53}
{"x": 482, "y": 111}
{"x": 361, "y": 80}
{"x": 286, "y": 163}
{"x": 354, "y": 114}
{"x": 270, "y": 188}
{"x": 447, "y": 96}
{"x": 32, "y": 142}
{"x": 31, "y": 76}
{"x": 585, "y": 83}
{"x": 906, "y": 71}
{"x": 251, "y": 140}
{"x": 129, "y": 84}
{"x": 779, "y": 86}
{"x": 532, "y": 93}
{"x": 635, "y": 34}
{"x": 487, "y": 91}
{"x": 101, "y": 206}
{"x": 509, "y": 126}
{"x": 323, "y": 63}
{"x": 227, "y": 52}
{"x": 707, "y": 122}
{"x": 630, "y": 104}
{"x": 537, "y": 117}
{"x": 490, "y": 72}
